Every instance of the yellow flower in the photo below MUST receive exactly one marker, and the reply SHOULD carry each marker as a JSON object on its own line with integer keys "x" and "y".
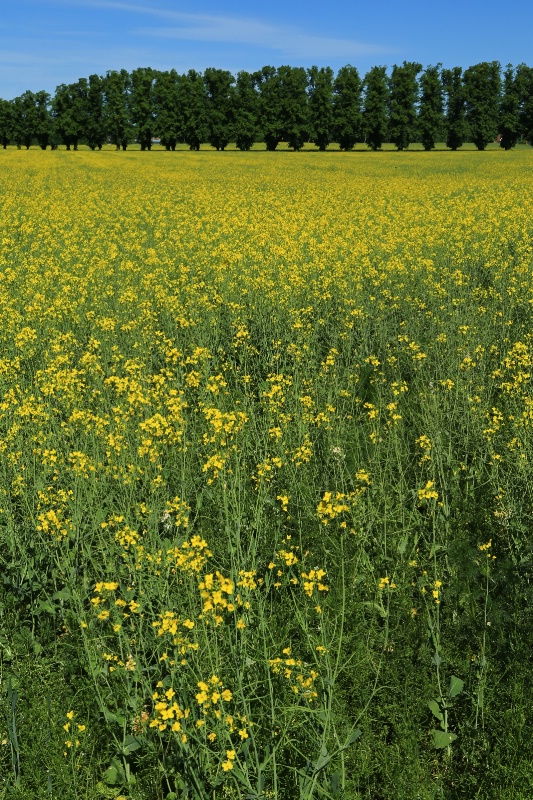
{"x": 428, "y": 492}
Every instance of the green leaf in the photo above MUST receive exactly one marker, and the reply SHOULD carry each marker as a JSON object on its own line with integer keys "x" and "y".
{"x": 323, "y": 759}
{"x": 111, "y": 776}
{"x": 110, "y": 717}
{"x": 239, "y": 774}
{"x": 442, "y": 739}
{"x": 131, "y": 744}
{"x": 456, "y": 686}
{"x": 403, "y": 544}
{"x": 435, "y": 709}
{"x": 376, "y": 607}
{"x": 352, "y": 738}
{"x": 62, "y": 594}
{"x": 266, "y": 758}
{"x": 334, "y": 783}
{"x": 45, "y": 605}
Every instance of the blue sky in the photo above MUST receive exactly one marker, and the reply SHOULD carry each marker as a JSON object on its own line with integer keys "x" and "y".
{"x": 46, "y": 43}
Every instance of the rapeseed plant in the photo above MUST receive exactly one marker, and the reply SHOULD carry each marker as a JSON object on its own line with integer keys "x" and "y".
{"x": 262, "y": 434}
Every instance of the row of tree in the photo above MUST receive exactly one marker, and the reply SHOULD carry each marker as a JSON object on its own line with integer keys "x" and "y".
{"x": 287, "y": 104}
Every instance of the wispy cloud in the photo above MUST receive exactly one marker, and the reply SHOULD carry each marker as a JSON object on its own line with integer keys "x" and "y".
{"x": 288, "y": 40}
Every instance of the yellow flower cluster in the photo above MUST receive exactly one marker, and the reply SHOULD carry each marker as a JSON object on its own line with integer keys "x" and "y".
{"x": 428, "y": 492}
{"x": 300, "y": 676}
{"x": 168, "y": 715}
{"x": 122, "y": 607}
{"x": 313, "y": 580}
{"x": 72, "y": 729}
{"x": 172, "y": 625}
{"x": 191, "y": 556}
{"x": 332, "y": 505}
{"x": 217, "y": 593}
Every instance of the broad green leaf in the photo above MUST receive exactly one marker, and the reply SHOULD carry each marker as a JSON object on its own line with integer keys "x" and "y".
{"x": 110, "y": 717}
{"x": 442, "y": 739}
{"x": 403, "y": 544}
{"x": 131, "y": 744}
{"x": 62, "y": 594}
{"x": 456, "y": 686}
{"x": 435, "y": 709}
{"x": 46, "y": 605}
{"x": 111, "y": 776}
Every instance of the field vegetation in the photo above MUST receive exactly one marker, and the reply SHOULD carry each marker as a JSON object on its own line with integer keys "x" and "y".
{"x": 266, "y": 475}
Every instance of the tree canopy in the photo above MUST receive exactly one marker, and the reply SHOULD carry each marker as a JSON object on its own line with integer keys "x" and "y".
{"x": 279, "y": 104}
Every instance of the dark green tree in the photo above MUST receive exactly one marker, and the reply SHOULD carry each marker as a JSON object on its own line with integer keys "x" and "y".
{"x": 430, "y": 113}
{"x": 43, "y": 119}
{"x": 141, "y": 105}
{"x": 21, "y": 127}
{"x": 70, "y": 111}
{"x": 347, "y": 118}
{"x": 375, "y": 107}
{"x": 271, "y": 120}
{"x": 219, "y": 85}
{"x": 195, "y": 129}
{"x": 294, "y": 104}
{"x": 95, "y": 132}
{"x": 167, "y": 108}
{"x": 30, "y": 119}
{"x": 524, "y": 81}
{"x": 403, "y": 98}
{"x": 509, "y": 120}
{"x": 116, "y": 86}
{"x": 482, "y": 84}
{"x": 321, "y": 120}
{"x": 454, "y": 98}
{"x": 283, "y": 107}
{"x": 6, "y": 122}
{"x": 245, "y": 110}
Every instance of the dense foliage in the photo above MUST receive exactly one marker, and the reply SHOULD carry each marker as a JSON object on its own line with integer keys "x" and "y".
{"x": 266, "y": 475}
{"x": 284, "y": 104}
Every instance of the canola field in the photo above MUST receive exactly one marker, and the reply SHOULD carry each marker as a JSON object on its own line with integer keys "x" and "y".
{"x": 266, "y": 475}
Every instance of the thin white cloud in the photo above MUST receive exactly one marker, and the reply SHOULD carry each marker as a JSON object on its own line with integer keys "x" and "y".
{"x": 26, "y": 59}
{"x": 284, "y": 39}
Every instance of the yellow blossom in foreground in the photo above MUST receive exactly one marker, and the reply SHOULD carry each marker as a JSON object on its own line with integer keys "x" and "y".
{"x": 428, "y": 492}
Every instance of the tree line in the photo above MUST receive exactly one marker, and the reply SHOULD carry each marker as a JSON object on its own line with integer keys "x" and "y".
{"x": 285, "y": 104}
